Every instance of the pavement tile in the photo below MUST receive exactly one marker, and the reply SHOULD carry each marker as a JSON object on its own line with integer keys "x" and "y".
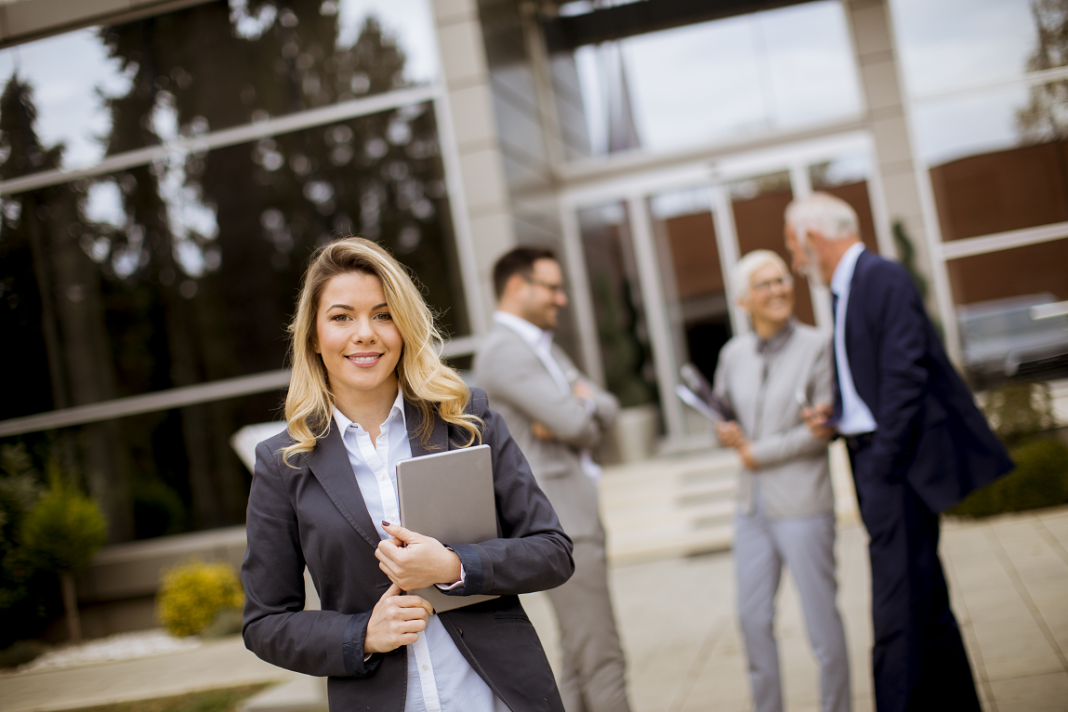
{"x": 1056, "y": 521}
{"x": 1015, "y": 648}
{"x": 720, "y": 686}
{"x": 1035, "y": 693}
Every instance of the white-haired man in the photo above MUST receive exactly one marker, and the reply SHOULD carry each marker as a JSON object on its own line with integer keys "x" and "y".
{"x": 785, "y": 512}
{"x": 917, "y": 443}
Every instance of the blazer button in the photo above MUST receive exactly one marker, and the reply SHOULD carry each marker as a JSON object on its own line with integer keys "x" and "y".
{"x": 460, "y": 631}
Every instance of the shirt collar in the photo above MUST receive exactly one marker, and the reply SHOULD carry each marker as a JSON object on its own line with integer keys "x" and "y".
{"x": 777, "y": 340}
{"x": 343, "y": 422}
{"x": 527, "y": 331}
{"x": 843, "y": 273}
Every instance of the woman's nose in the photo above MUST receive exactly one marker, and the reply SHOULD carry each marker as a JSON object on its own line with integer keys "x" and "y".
{"x": 363, "y": 332}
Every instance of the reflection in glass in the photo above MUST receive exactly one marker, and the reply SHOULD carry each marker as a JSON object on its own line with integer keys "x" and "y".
{"x": 998, "y": 160}
{"x": 759, "y": 204}
{"x": 621, "y": 323}
{"x": 106, "y": 90}
{"x": 717, "y": 80}
{"x": 184, "y": 271}
{"x": 951, "y": 44}
{"x": 1002, "y": 333}
{"x": 692, "y": 276}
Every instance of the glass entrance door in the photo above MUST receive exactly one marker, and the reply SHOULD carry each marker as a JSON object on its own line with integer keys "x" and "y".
{"x": 651, "y": 257}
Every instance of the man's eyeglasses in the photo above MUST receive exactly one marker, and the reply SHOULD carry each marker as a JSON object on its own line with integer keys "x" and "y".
{"x": 770, "y": 284}
{"x": 554, "y": 288}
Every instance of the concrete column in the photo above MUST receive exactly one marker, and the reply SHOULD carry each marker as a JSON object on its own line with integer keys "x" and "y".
{"x": 876, "y": 59}
{"x": 469, "y": 105}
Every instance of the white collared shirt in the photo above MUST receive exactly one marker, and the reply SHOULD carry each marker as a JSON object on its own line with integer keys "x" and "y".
{"x": 439, "y": 677}
{"x": 856, "y": 416}
{"x": 542, "y": 342}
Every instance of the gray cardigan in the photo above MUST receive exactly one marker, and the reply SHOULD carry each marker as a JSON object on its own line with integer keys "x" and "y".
{"x": 793, "y": 475}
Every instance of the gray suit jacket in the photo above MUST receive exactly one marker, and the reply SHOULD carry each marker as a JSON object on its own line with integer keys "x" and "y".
{"x": 314, "y": 515}
{"x": 793, "y": 477}
{"x": 523, "y": 391}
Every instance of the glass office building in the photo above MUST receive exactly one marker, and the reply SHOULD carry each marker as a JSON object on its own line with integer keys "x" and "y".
{"x": 166, "y": 168}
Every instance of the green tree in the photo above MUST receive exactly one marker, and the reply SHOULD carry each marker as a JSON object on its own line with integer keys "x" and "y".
{"x": 62, "y": 532}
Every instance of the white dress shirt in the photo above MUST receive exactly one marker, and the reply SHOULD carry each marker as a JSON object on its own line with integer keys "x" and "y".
{"x": 439, "y": 677}
{"x": 856, "y": 416}
{"x": 542, "y": 342}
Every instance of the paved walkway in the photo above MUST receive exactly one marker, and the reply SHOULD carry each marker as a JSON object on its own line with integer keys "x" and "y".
{"x": 1009, "y": 579}
{"x": 1009, "y": 584}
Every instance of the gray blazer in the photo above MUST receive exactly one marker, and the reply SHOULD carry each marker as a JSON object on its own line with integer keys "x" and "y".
{"x": 523, "y": 391}
{"x": 793, "y": 476}
{"x": 314, "y": 515}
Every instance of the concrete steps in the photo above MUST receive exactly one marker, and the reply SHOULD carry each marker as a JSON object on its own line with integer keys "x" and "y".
{"x": 671, "y": 506}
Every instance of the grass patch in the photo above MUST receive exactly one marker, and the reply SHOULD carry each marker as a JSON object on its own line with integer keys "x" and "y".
{"x": 225, "y": 699}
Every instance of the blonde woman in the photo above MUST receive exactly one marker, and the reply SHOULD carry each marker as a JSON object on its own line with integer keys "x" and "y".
{"x": 368, "y": 390}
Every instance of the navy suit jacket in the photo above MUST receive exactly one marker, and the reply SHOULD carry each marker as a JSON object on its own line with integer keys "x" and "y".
{"x": 314, "y": 515}
{"x": 928, "y": 428}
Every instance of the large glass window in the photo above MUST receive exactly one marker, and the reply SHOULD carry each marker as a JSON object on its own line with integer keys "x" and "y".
{"x": 989, "y": 104}
{"x": 949, "y": 44}
{"x": 144, "y": 272}
{"x": 715, "y": 81}
{"x": 101, "y": 91}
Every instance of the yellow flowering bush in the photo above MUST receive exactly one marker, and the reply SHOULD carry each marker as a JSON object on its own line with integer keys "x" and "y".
{"x": 194, "y": 593}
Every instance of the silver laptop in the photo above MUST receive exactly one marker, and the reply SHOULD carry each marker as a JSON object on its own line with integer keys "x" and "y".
{"x": 449, "y": 496}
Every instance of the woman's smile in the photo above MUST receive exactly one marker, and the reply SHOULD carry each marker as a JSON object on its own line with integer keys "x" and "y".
{"x": 358, "y": 340}
{"x": 364, "y": 360}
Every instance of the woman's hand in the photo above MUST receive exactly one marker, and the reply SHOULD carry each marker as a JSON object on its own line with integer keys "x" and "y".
{"x": 818, "y": 420}
{"x": 731, "y": 435}
{"x": 395, "y": 621}
{"x": 413, "y": 561}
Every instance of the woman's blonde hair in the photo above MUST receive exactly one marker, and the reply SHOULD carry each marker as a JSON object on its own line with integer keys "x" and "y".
{"x": 423, "y": 378}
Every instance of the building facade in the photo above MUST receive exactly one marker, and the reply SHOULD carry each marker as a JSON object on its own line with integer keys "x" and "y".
{"x": 166, "y": 167}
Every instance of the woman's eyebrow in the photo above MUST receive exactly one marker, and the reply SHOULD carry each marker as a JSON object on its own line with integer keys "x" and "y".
{"x": 340, "y": 306}
{"x": 379, "y": 306}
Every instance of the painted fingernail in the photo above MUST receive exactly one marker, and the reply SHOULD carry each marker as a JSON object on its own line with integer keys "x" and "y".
{"x": 386, "y": 524}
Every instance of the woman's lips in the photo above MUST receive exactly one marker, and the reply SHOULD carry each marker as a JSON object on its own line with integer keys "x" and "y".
{"x": 364, "y": 360}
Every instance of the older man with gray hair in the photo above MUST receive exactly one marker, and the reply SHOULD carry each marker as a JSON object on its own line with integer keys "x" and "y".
{"x": 917, "y": 443}
{"x": 785, "y": 512}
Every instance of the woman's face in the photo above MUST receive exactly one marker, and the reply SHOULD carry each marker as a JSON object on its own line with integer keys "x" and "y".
{"x": 357, "y": 338}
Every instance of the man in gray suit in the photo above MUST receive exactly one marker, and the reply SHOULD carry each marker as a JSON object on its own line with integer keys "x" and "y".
{"x": 557, "y": 415}
{"x": 785, "y": 512}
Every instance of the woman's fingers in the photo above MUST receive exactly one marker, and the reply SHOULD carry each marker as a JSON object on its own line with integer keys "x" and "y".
{"x": 397, "y": 619}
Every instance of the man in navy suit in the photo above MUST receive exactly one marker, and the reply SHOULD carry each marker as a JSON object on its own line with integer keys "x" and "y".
{"x": 917, "y": 444}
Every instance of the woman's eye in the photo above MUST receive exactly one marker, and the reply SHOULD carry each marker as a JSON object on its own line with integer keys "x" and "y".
{"x": 385, "y": 316}
{"x": 339, "y": 317}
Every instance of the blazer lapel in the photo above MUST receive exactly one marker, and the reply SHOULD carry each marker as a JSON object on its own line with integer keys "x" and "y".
{"x": 439, "y": 436}
{"x": 330, "y": 464}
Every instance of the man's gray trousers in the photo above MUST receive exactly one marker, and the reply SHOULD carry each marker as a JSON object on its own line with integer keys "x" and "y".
{"x": 593, "y": 673}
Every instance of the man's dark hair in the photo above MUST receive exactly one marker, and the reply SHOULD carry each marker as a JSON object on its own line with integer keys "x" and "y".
{"x": 519, "y": 261}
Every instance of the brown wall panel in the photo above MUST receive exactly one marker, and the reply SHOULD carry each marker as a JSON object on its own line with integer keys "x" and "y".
{"x": 1000, "y": 191}
{"x": 1009, "y": 273}
{"x": 695, "y": 254}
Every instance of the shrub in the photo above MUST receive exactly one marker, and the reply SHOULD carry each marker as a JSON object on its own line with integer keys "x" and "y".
{"x": 64, "y": 529}
{"x": 1039, "y": 480}
{"x": 194, "y": 593}
{"x": 61, "y": 533}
